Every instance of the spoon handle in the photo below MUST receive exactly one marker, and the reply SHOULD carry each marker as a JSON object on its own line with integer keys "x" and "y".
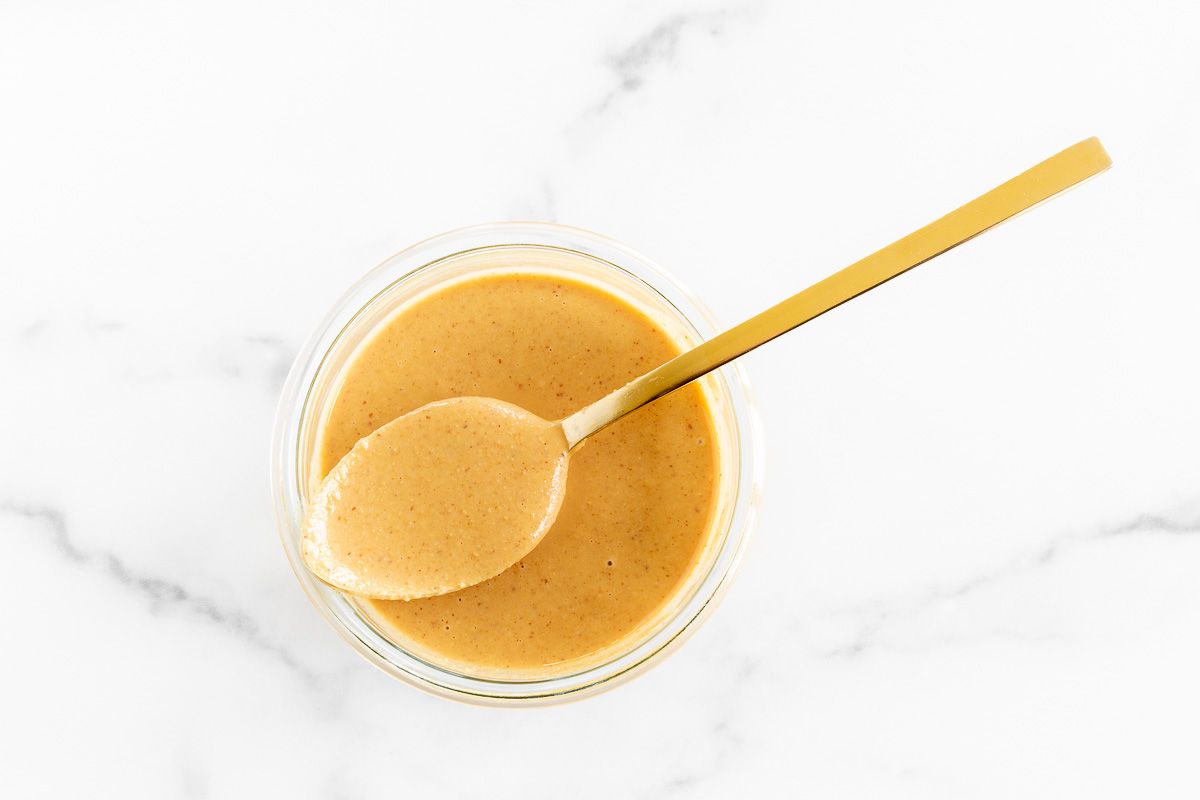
{"x": 1056, "y": 174}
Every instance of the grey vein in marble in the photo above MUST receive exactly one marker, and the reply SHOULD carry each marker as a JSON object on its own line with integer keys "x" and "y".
{"x": 255, "y": 357}
{"x": 658, "y": 48}
{"x": 160, "y": 592}
{"x": 193, "y": 781}
{"x": 277, "y": 354}
{"x": 632, "y": 65}
{"x": 727, "y": 742}
{"x": 34, "y": 329}
{"x": 539, "y": 205}
{"x": 722, "y": 734}
{"x": 867, "y": 637}
{"x": 41, "y": 327}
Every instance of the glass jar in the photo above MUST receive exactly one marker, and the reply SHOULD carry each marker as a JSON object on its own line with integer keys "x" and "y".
{"x": 525, "y": 247}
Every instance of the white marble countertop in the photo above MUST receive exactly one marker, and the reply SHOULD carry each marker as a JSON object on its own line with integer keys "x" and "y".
{"x": 975, "y": 573}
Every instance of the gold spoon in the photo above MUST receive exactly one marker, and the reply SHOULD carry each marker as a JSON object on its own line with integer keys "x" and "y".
{"x": 457, "y": 491}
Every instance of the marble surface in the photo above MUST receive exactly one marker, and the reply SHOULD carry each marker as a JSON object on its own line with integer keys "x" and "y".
{"x": 975, "y": 573}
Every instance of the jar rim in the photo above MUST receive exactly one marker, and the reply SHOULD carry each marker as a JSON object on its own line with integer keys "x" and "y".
{"x": 288, "y": 492}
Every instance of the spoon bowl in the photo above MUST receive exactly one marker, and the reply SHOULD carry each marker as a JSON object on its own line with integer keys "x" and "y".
{"x": 446, "y": 496}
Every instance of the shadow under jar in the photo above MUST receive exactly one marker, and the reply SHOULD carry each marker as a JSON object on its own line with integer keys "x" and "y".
{"x": 636, "y": 559}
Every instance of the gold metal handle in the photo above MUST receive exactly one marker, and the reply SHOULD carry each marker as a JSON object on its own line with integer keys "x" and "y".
{"x": 1054, "y": 175}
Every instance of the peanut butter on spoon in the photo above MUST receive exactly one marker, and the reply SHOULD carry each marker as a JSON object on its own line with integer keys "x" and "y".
{"x": 442, "y": 498}
{"x": 457, "y": 491}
